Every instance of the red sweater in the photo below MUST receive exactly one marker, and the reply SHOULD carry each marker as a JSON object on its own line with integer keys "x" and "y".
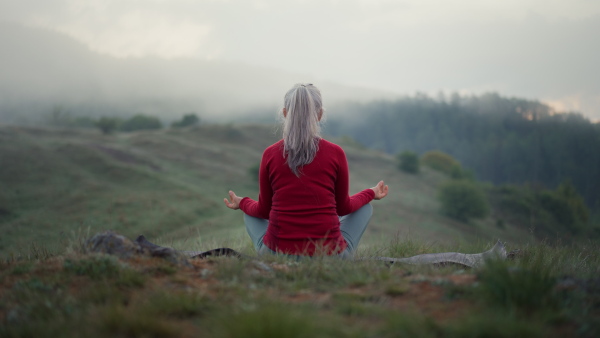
{"x": 303, "y": 211}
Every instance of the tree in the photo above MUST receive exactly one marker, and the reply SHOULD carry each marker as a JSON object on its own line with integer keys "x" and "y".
{"x": 107, "y": 125}
{"x": 141, "y": 122}
{"x": 463, "y": 200}
{"x": 187, "y": 120}
{"x": 441, "y": 161}
{"x": 408, "y": 161}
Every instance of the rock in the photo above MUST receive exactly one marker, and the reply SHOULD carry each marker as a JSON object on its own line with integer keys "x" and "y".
{"x": 111, "y": 243}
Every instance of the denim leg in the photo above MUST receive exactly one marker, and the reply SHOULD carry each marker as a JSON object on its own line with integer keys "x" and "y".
{"x": 353, "y": 226}
{"x": 257, "y": 228}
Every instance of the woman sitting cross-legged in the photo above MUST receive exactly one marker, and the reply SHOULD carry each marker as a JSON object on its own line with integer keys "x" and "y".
{"x": 304, "y": 207}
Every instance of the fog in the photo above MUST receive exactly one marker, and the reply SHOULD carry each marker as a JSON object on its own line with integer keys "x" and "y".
{"x": 219, "y": 58}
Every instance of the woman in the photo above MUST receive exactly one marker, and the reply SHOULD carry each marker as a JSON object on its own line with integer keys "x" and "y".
{"x": 303, "y": 206}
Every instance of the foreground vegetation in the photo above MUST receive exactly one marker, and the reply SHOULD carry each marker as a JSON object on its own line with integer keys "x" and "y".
{"x": 547, "y": 290}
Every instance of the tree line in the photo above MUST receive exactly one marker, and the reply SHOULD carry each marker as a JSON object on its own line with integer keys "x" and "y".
{"x": 500, "y": 139}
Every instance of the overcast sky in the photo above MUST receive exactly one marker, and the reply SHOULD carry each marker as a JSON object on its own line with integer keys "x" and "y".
{"x": 537, "y": 49}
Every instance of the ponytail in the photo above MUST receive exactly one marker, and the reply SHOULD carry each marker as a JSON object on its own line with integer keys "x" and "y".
{"x": 301, "y": 129}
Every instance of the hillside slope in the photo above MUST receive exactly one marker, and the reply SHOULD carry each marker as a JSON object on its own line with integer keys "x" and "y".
{"x": 169, "y": 185}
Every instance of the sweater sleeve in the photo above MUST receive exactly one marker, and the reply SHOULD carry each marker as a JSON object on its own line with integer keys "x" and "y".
{"x": 348, "y": 204}
{"x": 262, "y": 207}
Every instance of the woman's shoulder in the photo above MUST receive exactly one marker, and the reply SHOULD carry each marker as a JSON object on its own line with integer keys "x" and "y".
{"x": 275, "y": 147}
{"x": 330, "y": 146}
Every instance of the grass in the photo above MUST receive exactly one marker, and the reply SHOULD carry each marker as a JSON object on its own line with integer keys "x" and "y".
{"x": 539, "y": 294}
{"x": 61, "y": 188}
{"x": 169, "y": 184}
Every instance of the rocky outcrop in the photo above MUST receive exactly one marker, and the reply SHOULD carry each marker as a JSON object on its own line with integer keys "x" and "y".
{"x": 112, "y": 243}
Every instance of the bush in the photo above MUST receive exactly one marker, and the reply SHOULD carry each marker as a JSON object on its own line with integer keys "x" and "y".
{"x": 463, "y": 200}
{"x": 520, "y": 288}
{"x": 408, "y": 162}
{"x": 566, "y": 206}
{"x": 440, "y": 161}
{"x": 253, "y": 171}
{"x": 107, "y": 125}
{"x": 141, "y": 122}
{"x": 187, "y": 121}
{"x": 575, "y": 201}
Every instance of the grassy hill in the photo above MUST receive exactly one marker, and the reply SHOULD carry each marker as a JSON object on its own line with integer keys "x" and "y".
{"x": 169, "y": 185}
{"x": 60, "y": 185}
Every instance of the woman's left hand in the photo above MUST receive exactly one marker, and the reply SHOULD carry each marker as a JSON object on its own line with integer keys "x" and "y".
{"x": 234, "y": 202}
{"x": 381, "y": 190}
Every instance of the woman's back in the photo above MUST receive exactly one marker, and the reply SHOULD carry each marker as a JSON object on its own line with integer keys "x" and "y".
{"x": 304, "y": 184}
{"x": 303, "y": 210}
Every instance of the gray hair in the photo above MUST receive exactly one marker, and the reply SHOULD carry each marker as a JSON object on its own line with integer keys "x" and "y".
{"x": 301, "y": 129}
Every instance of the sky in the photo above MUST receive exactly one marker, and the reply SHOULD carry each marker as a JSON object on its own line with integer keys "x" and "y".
{"x": 536, "y": 49}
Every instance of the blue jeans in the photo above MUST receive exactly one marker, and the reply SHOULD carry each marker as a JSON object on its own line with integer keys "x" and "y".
{"x": 352, "y": 226}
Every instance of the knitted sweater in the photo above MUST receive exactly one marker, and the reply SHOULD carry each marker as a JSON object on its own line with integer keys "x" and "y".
{"x": 303, "y": 211}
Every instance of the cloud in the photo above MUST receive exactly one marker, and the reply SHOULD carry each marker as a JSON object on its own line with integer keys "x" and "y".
{"x": 532, "y": 48}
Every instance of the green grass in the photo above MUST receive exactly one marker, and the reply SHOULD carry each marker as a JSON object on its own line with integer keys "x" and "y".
{"x": 169, "y": 184}
{"x": 62, "y": 186}
{"x": 548, "y": 291}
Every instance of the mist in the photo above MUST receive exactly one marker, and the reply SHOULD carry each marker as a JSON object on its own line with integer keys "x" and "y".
{"x": 42, "y": 70}
{"x": 230, "y": 57}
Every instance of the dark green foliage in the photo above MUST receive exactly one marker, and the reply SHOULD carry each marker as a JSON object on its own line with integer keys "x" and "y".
{"x": 458, "y": 173}
{"x": 253, "y": 172}
{"x": 494, "y": 324}
{"x": 187, "y": 121}
{"x": 107, "y": 124}
{"x": 120, "y": 321}
{"x": 503, "y": 140}
{"x": 141, "y": 122}
{"x": 408, "y": 161}
{"x": 569, "y": 194}
{"x": 527, "y": 289}
{"x": 441, "y": 161}
{"x": 271, "y": 320}
{"x": 546, "y": 211}
{"x": 463, "y": 200}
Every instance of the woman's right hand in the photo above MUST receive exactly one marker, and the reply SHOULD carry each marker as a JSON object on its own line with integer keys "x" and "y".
{"x": 380, "y": 190}
{"x": 234, "y": 202}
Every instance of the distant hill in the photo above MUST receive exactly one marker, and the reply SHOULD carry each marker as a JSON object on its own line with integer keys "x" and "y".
{"x": 169, "y": 185}
{"x": 42, "y": 68}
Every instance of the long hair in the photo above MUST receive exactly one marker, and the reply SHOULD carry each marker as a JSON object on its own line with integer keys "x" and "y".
{"x": 301, "y": 129}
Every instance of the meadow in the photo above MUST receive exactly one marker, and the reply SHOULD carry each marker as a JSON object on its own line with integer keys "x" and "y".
{"x": 169, "y": 185}
{"x": 60, "y": 186}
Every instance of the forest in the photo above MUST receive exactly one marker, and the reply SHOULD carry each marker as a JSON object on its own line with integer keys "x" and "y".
{"x": 500, "y": 139}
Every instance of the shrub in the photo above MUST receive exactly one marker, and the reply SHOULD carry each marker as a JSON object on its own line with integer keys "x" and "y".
{"x": 523, "y": 288}
{"x": 568, "y": 192}
{"x": 107, "y": 125}
{"x": 253, "y": 171}
{"x": 566, "y": 206}
{"x": 408, "y": 162}
{"x": 440, "y": 161}
{"x": 141, "y": 122}
{"x": 187, "y": 121}
{"x": 463, "y": 200}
